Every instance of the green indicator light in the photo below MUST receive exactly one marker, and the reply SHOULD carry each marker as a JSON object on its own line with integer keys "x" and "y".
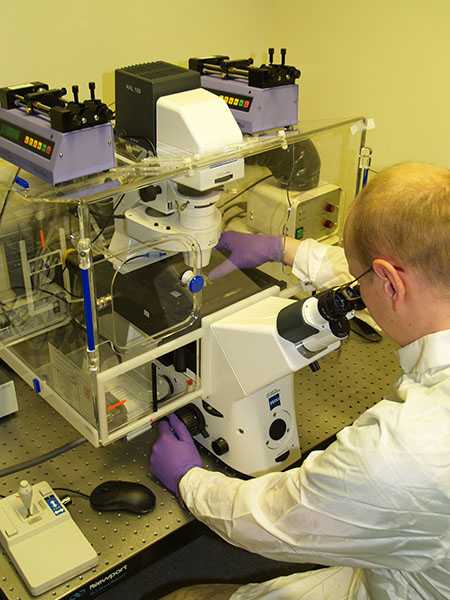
{"x": 241, "y": 103}
{"x": 299, "y": 233}
{"x": 44, "y": 147}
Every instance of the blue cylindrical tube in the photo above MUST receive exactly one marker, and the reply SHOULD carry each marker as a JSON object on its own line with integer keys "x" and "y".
{"x": 88, "y": 309}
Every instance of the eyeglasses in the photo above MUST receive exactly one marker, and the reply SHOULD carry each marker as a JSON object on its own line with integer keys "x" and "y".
{"x": 356, "y": 280}
{"x": 353, "y": 294}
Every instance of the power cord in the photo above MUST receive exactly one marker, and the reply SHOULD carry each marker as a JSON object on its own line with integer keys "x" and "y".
{"x": 43, "y": 458}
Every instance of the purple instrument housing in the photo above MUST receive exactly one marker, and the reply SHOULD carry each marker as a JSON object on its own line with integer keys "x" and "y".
{"x": 65, "y": 156}
{"x": 256, "y": 109}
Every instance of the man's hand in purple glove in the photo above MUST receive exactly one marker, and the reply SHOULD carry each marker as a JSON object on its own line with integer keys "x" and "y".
{"x": 174, "y": 453}
{"x": 247, "y": 250}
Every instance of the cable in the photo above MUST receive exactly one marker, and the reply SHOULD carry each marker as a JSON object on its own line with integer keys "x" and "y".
{"x": 61, "y": 489}
{"x": 139, "y": 137}
{"x": 56, "y": 295}
{"x": 4, "y": 205}
{"x": 284, "y": 229}
{"x": 111, "y": 216}
{"x": 67, "y": 292}
{"x": 41, "y": 459}
{"x": 222, "y": 206}
{"x": 226, "y": 218}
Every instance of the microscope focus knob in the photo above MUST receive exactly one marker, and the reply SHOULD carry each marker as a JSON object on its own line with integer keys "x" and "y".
{"x": 193, "y": 419}
{"x": 220, "y": 446}
{"x": 196, "y": 284}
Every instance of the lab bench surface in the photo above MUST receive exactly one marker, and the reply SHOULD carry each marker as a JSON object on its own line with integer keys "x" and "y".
{"x": 348, "y": 382}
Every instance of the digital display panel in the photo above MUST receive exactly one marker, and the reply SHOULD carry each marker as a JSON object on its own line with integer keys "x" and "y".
{"x": 26, "y": 139}
{"x": 10, "y": 132}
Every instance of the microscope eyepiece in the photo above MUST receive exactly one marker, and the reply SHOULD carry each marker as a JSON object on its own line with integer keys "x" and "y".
{"x": 335, "y": 303}
{"x": 315, "y": 322}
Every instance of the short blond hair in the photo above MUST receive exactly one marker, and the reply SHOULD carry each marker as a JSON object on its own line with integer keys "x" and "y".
{"x": 403, "y": 214}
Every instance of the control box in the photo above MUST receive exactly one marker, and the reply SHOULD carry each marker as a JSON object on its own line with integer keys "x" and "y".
{"x": 44, "y": 543}
{"x": 315, "y": 213}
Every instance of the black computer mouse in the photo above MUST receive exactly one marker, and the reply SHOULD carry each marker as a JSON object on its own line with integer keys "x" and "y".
{"x": 122, "y": 495}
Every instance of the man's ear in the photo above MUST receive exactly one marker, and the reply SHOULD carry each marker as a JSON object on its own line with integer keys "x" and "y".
{"x": 394, "y": 285}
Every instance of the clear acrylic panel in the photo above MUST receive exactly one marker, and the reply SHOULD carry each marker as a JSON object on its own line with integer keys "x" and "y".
{"x": 104, "y": 284}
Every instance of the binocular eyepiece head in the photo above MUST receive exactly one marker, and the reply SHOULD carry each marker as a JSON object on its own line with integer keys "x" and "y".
{"x": 336, "y": 303}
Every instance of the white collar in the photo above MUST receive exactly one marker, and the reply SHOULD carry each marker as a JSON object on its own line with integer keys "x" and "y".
{"x": 428, "y": 352}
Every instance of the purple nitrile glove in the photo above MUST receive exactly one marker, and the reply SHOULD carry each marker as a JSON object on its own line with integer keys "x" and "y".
{"x": 247, "y": 250}
{"x": 174, "y": 453}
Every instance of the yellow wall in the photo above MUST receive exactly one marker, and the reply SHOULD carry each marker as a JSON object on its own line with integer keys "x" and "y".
{"x": 387, "y": 59}
{"x": 65, "y": 43}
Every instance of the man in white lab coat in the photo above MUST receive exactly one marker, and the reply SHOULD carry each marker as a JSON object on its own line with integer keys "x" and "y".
{"x": 375, "y": 505}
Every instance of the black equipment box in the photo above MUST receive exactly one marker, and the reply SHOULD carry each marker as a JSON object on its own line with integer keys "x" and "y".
{"x": 138, "y": 87}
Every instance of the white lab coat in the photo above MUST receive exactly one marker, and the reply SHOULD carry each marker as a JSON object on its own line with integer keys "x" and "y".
{"x": 374, "y": 506}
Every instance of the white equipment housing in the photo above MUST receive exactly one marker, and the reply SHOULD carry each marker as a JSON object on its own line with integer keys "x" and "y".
{"x": 196, "y": 122}
{"x": 317, "y": 213}
{"x": 248, "y": 369}
{"x": 8, "y": 398}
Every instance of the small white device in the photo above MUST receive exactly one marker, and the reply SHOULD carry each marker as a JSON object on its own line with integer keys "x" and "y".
{"x": 41, "y": 538}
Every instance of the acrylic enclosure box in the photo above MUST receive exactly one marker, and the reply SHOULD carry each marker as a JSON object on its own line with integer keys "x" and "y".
{"x": 102, "y": 322}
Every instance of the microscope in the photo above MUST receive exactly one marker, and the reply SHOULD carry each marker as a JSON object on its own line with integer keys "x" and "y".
{"x": 114, "y": 284}
{"x": 249, "y": 348}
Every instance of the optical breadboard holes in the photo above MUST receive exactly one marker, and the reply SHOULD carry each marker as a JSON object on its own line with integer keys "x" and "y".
{"x": 346, "y": 385}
